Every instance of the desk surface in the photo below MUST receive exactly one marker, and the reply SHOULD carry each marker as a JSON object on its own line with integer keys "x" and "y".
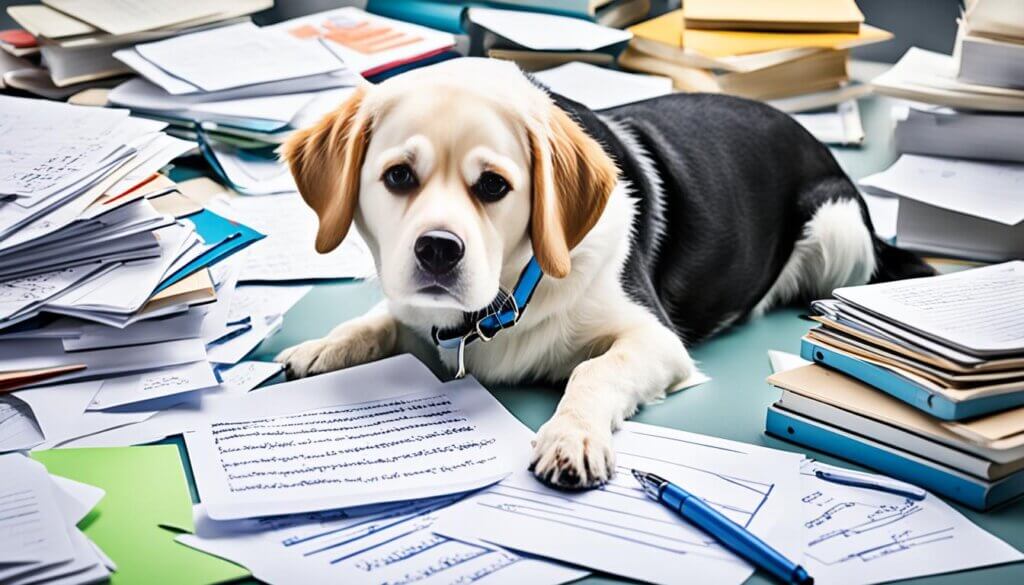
{"x": 731, "y": 406}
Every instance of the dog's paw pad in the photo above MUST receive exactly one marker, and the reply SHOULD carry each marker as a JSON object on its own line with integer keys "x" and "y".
{"x": 567, "y": 455}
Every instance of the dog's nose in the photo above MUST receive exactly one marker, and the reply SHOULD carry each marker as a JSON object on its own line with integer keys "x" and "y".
{"x": 438, "y": 251}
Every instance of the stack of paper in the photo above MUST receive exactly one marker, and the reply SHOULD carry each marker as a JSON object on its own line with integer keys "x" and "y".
{"x": 940, "y": 365}
{"x": 39, "y": 537}
{"x": 241, "y": 90}
{"x": 77, "y": 39}
{"x": 962, "y": 165}
{"x": 990, "y": 44}
{"x": 795, "y": 49}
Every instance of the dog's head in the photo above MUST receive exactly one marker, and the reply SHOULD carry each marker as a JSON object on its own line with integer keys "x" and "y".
{"x": 454, "y": 174}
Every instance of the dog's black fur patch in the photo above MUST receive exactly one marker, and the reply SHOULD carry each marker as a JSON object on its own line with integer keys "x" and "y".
{"x": 739, "y": 180}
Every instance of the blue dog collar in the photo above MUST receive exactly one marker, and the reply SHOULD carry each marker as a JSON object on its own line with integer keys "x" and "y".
{"x": 484, "y": 326}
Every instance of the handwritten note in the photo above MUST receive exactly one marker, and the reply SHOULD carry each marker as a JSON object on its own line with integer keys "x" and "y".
{"x": 45, "y": 147}
{"x": 386, "y": 431}
{"x": 153, "y": 384}
{"x": 856, "y": 536}
{"x": 391, "y": 544}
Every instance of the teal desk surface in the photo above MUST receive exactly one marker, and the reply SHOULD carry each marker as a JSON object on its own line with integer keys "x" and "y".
{"x": 732, "y": 405}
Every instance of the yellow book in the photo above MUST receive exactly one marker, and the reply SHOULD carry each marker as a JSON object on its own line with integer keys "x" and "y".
{"x": 774, "y": 15}
{"x": 668, "y": 30}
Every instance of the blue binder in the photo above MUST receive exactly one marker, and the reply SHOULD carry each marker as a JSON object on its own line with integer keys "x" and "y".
{"x": 907, "y": 390}
{"x": 972, "y": 492}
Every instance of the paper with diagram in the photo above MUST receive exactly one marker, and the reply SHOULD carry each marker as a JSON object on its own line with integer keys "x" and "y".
{"x": 754, "y": 486}
{"x": 857, "y": 536}
{"x": 381, "y": 432}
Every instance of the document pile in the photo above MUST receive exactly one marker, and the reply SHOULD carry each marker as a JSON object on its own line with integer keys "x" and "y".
{"x": 922, "y": 379}
{"x": 961, "y": 168}
{"x": 449, "y": 15}
{"x": 755, "y": 48}
{"x": 39, "y": 537}
{"x": 77, "y": 39}
{"x": 240, "y": 90}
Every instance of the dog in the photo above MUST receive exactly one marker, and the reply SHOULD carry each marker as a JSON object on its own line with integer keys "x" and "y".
{"x": 657, "y": 224}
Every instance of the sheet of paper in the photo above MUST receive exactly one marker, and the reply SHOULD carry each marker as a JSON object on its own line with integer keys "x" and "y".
{"x": 981, "y": 189}
{"x": 145, "y": 489}
{"x": 133, "y": 388}
{"x": 32, "y": 526}
{"x": 120, "y": 17}
{"x": 367, "y": 43}
{"x": 50, "y": 145}
{"x": 599, "y": 87}
{"x": 288, "y": 252}
{"x": 782, "y": 361}
{"x": 856, "y": 536}
{"x": 547, "y": 32}
{"x": 884, "y": 213}
{"x": 60, "y": 412}
{"x": 244, "y": 377}
{"x": 394, "y": 433}
{"x": 253, "y": 173}
{"x": 260, "y": 309}
{"x": 840, "y": 127}
{"x": 237, "y": 56}
{"x": 978, "y": 310}
{"x": 23, "y": 295}
{"x": 754, "y": 486}
{"x": 390, "y": 543}
{"x": 18, "y": 428}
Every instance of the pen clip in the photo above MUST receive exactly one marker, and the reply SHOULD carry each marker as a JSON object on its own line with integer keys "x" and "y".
{"x": 891, "y": 487}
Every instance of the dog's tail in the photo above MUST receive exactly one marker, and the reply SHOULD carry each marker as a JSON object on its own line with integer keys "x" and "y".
{"x": 892, "y": 263}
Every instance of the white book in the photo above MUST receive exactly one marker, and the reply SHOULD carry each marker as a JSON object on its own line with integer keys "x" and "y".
{"x": 989, "y": 61}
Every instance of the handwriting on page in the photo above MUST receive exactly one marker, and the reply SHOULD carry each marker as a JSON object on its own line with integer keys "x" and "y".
{"x": 368, "y": 443}
{"x": 969, "y": 305}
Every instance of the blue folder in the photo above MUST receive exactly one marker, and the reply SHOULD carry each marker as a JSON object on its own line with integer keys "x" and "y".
{"x": 957, "y": 486}
{"x": 907, "y": 390}
{"x": 225, "y": 237}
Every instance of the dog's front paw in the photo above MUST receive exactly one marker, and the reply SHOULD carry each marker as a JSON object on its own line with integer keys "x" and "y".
{"x": 351, "y": 344}
{"x": 570, "y": 454}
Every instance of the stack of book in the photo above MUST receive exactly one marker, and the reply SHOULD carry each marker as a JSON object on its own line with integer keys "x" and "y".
{"x": 77, "y": 40}
{"x": 756, "y": 49}
{"x": 961, "y": 168}
{"x": 449, "y": 15}
{"x": 922, "y": 379}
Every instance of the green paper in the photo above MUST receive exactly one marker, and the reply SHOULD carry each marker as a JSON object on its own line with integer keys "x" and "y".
{"x": 146, "y": 490}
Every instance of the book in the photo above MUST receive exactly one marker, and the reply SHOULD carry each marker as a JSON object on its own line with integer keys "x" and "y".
{"x": 774, "y": 15}
{"x": 956, "y": 485}
{"x": 818, "y": 71}
{"x": 667, "y": 38}
{"x": 942, "y": 131}
{"x": 995, "y": 18}
{"x": 996, "y": 440}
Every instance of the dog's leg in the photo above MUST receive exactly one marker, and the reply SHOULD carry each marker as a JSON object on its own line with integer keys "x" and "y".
{"x": 365, "y": 339}
{"x": 573, "y": 450}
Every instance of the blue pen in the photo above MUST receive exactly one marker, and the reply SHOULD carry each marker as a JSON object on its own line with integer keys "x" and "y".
{"x": 730, "y": 534}
{"x": 873, "y": 483}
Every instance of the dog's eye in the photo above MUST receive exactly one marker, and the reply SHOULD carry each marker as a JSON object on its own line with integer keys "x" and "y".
{"x": 400, "y": 179}
{"x": 491, "y": 187}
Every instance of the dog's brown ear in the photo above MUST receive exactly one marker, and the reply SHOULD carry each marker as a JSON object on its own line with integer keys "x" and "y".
{"x": 572, "y": 180}
{"x": 325, "y": 160}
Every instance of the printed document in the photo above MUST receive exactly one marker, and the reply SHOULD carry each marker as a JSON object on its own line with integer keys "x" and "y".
{"x": 381, "y": 432}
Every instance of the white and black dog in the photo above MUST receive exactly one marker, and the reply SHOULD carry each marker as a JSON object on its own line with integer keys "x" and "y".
{"x": 657, "y": 224}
